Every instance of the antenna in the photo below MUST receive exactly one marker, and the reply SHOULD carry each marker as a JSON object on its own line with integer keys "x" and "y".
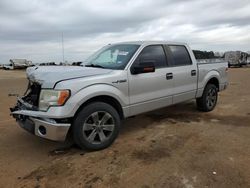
{"x": 62, "y": 48}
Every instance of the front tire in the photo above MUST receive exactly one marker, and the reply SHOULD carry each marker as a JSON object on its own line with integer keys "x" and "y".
{"x": 96, "y": 126}
{"x": 208, "y": 100}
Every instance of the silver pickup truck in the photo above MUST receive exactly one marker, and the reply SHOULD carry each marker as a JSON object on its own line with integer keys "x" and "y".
{"x": 120, "y": 80}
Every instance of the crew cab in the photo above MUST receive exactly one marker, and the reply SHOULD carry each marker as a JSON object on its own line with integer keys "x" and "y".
{"x": 120, "y": 80}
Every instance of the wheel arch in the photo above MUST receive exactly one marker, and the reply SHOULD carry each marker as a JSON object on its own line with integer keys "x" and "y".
{"x": 106, "y": 99}
{"x": 212, "y": 77}
{"x": 214, "y": 81}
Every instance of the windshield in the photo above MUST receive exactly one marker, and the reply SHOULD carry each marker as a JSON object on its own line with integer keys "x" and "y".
{"x": 112, "y": 56}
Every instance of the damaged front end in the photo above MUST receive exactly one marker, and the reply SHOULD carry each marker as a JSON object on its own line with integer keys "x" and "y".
{"x": 27, "y": 114}
{"x": 30, "y": 99}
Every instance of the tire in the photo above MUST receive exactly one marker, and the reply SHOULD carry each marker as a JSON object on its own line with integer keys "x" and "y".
{"x": 96, "y": 126}
{"x": 208, "y": 100}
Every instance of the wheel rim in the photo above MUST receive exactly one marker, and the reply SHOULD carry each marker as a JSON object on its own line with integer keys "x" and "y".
{"x": 98, "y": 127}
{"x": 211, "y": 97}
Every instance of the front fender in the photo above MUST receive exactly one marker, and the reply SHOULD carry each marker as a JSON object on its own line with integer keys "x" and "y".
{"x": 92, "y": 91}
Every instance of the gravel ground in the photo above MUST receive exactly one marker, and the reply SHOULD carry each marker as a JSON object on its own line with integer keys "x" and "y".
{"x": 176, "y": 146}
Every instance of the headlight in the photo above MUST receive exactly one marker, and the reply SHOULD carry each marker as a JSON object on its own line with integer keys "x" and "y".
{"x": 49, "y": 97}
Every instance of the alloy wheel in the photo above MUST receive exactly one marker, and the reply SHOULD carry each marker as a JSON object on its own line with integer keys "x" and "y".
{"x": 98, "y": 127}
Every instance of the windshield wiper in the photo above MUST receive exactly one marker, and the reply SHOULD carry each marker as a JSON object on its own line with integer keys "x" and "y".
{"x": 94, "y": 65}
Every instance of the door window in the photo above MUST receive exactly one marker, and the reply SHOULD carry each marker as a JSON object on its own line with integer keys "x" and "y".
{"x": 153, "y": 53}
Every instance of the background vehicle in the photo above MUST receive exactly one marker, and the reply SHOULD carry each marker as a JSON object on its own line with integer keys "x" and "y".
{"x": 248, "y": 59}
{"x": 119, "y": 81}
{"x": 236, "y": 58}
{"x": 17, "y": 64}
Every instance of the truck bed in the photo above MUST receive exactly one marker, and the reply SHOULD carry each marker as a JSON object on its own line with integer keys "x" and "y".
{"x": 208, "y": 61}
{"x": 207, "y": 67}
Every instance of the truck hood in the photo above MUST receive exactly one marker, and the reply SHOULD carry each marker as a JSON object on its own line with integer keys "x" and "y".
{"x": 48, "y": 76}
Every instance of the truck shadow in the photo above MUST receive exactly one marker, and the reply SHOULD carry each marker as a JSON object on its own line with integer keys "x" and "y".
{"x": 183, "y": 112}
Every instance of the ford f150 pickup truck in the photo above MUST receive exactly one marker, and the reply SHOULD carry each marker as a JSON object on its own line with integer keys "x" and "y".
{"x": 120, "y": 80}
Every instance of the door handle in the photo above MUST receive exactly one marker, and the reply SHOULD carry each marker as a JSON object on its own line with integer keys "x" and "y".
{"x": 169, "y": 76}
{"x": 193, "y": 72}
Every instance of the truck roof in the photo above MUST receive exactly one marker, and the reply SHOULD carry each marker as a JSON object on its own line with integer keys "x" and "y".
{"x": 151, "y": 42}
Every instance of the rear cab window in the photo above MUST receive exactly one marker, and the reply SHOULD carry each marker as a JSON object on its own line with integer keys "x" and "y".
{"x": 180, "y": 55}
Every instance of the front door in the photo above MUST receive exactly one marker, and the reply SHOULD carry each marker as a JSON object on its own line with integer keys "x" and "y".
{"x": 149, "y": 91}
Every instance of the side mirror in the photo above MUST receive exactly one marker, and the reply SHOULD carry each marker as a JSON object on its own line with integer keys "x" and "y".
{"x": 143, "y": 67}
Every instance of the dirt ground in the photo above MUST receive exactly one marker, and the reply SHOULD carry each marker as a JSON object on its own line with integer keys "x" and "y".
{"x": 172, "y": 147}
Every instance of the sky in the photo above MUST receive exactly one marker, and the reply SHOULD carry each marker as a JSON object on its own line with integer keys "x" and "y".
{"x": 32, "y": 29}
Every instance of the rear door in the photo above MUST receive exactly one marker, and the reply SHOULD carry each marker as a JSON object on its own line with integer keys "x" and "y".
{"x": 149, "y": 91}
{"x": 184, "y": 73}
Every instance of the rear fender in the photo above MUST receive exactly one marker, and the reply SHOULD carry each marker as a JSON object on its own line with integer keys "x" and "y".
{"x": 202, "y": 83}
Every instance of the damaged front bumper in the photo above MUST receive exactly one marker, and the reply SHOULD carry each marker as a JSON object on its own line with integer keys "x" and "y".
{"x": 28, "y": 118}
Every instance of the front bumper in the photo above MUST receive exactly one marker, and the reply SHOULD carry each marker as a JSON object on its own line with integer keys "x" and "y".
{"x": 43, "y": 127}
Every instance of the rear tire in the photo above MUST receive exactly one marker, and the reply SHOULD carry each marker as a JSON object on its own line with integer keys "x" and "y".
{"x": 96, "y": 126}
{"x": 208, "y": 100}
